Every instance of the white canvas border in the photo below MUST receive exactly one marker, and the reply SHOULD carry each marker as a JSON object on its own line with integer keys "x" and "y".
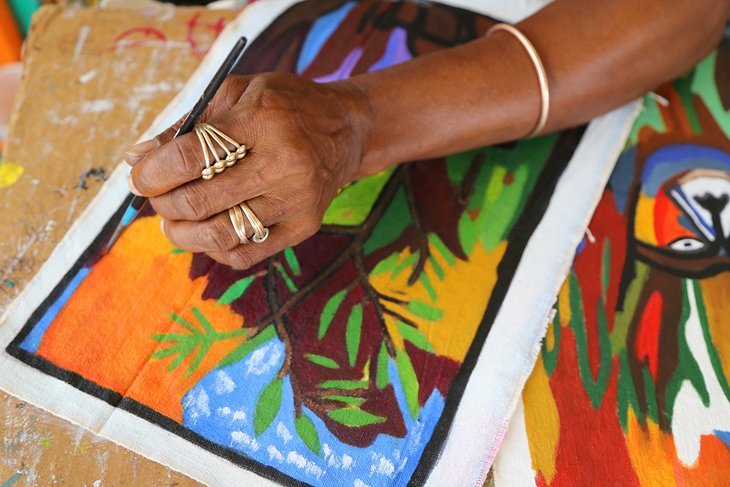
{"x": 474, "y": 424}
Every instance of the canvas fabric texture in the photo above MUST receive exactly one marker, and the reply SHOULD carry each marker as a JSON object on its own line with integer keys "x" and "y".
{"x": 631, "y": 386}
{"x": 353, "y": 358}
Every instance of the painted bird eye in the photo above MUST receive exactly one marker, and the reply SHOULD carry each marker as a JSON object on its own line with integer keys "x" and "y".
{"x": 687, "y": 244}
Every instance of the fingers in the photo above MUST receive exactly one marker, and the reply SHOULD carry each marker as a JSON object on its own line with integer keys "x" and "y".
{"x": 246, "y": 256}
{"x": 201, "y": 199}
{"x": 217, "y": 233}
{"x": 181, "y": 160}
{"x": 142, "y": 149}
{"x": 163, "y": 163}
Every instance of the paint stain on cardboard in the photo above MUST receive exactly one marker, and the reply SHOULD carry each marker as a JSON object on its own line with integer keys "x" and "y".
{"x": 97, "y": 173}
{"x": 9, "y": 173}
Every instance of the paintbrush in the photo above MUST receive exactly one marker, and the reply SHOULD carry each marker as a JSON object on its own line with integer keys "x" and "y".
{"x": 138, "y": 202}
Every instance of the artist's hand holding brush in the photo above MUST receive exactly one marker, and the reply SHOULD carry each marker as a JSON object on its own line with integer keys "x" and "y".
{"x": 306, "y": 140}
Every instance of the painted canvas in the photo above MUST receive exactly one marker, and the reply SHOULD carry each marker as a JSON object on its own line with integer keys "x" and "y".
{"x": 637, "y": 357}
{"x": 381, "y": 351}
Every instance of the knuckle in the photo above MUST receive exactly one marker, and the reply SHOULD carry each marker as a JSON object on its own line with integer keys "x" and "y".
{"x": 220, "y": 235}
{"x": 191, "y": 204}
{"x": 275, "y": 208}
{"x": 185, "y": 157}
{"x": 240, "y": 259}
{"x": 311, "y": 226}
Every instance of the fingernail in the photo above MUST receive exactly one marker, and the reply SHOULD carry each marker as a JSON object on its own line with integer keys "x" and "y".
{"x": 136, "y": 152}
{"x": 132, "y": 187}
{"x": 162, "y": 225}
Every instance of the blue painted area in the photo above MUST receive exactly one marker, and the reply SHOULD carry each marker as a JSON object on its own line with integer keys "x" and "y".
{"x": 698, "y": 216}
{"x": 621, "y": 177}
{"x": 674, "y": 159}
{"x": 33, "y": 340}
{"x": 396, "y": 51}
{"x": 129, "y": 215}
{"x": 321, "y": 30}
{"x": 12, "y": 480}
{"x": 724, "y": 436}
{"x": 221, "y": 408}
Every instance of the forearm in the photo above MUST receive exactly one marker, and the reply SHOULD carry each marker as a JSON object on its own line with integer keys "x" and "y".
{"x": 598, "y": 55}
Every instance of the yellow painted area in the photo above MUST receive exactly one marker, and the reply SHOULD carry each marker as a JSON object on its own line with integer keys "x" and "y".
{"x": 716, "y": 296}
{"x": 644, "y": 220}
{"x": 564, "y": 304}
{"x": 496, "y": 184}
{"x": 542, "y": 422}
{"x": 652, "y": 453}
{"x": 9, "y": 173}
{"x": 462, "y": 297}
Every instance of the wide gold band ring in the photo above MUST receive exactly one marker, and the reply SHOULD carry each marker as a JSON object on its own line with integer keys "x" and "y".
{"x": 238, "y": 215}
{"x": 219, "y": 150}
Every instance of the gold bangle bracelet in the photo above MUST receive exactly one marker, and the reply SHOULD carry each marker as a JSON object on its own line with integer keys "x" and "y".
{"x": 539, "y": 68}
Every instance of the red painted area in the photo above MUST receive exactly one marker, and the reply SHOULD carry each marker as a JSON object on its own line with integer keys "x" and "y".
{"x": 194, "y": 27}
{"x": 608, "y": 228}
{"x": 666, "y": 221}
{"x": 592, "y": 449}
{"x": 647, "y": 337}
{"x": 138, "y": 36}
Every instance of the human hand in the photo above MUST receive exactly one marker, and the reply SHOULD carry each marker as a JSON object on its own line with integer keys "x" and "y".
{"x": 305, "y": 140}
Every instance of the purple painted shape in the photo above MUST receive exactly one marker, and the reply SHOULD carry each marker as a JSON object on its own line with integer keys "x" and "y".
{"x": 396, "y": 51}
{"x": 345, "y": 69}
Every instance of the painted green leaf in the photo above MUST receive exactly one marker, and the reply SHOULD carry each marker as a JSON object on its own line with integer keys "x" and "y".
{"x": 437, "y": 268}
{"x": 236, "y": 290}
{"x": 606, "y": 267}
{"x": 346, "y": 385}
{"x": 381, "y": 377}
{"x": 329, "y": 311}
{"x": 291, "y": 259}
{"x": 185, "y": 323}
{"x": 177, "y": 251}
{"x": 415, "y": 336}
{"x": 285, "y": 275}
{"x": 386, "y": 265}
{"x": 354, "y": 203}
{"x": 165, "y": 352}
{"x": 321, "y": 360}
{"x": 406, "y": 263}
{"x": 308, "y": 433}
{"x": 354, "y": 417}
{"x": 442, "y": 248}
{"x": 349, "y": 400}
{"x": 352, "y": 333}
{"x": 425, "y": 310}
{"x": 267, "y": 406}
{"x": 427, "y": 285}
{"x": 409, "y": 381}
{"x": 248, "y": 346}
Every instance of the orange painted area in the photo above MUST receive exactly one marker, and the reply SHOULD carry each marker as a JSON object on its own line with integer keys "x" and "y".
{"x": 92, "y": 337}
{"x": 654, "y": 458}
{"x": 10, "y": 38}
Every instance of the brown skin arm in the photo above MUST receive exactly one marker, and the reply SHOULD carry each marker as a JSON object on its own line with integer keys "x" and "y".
{"x": 598, "y": 55}
{"x": 310, "y": 139}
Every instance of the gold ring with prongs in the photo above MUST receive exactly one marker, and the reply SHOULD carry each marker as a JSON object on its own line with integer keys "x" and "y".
{"x": 212, "y": 141}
